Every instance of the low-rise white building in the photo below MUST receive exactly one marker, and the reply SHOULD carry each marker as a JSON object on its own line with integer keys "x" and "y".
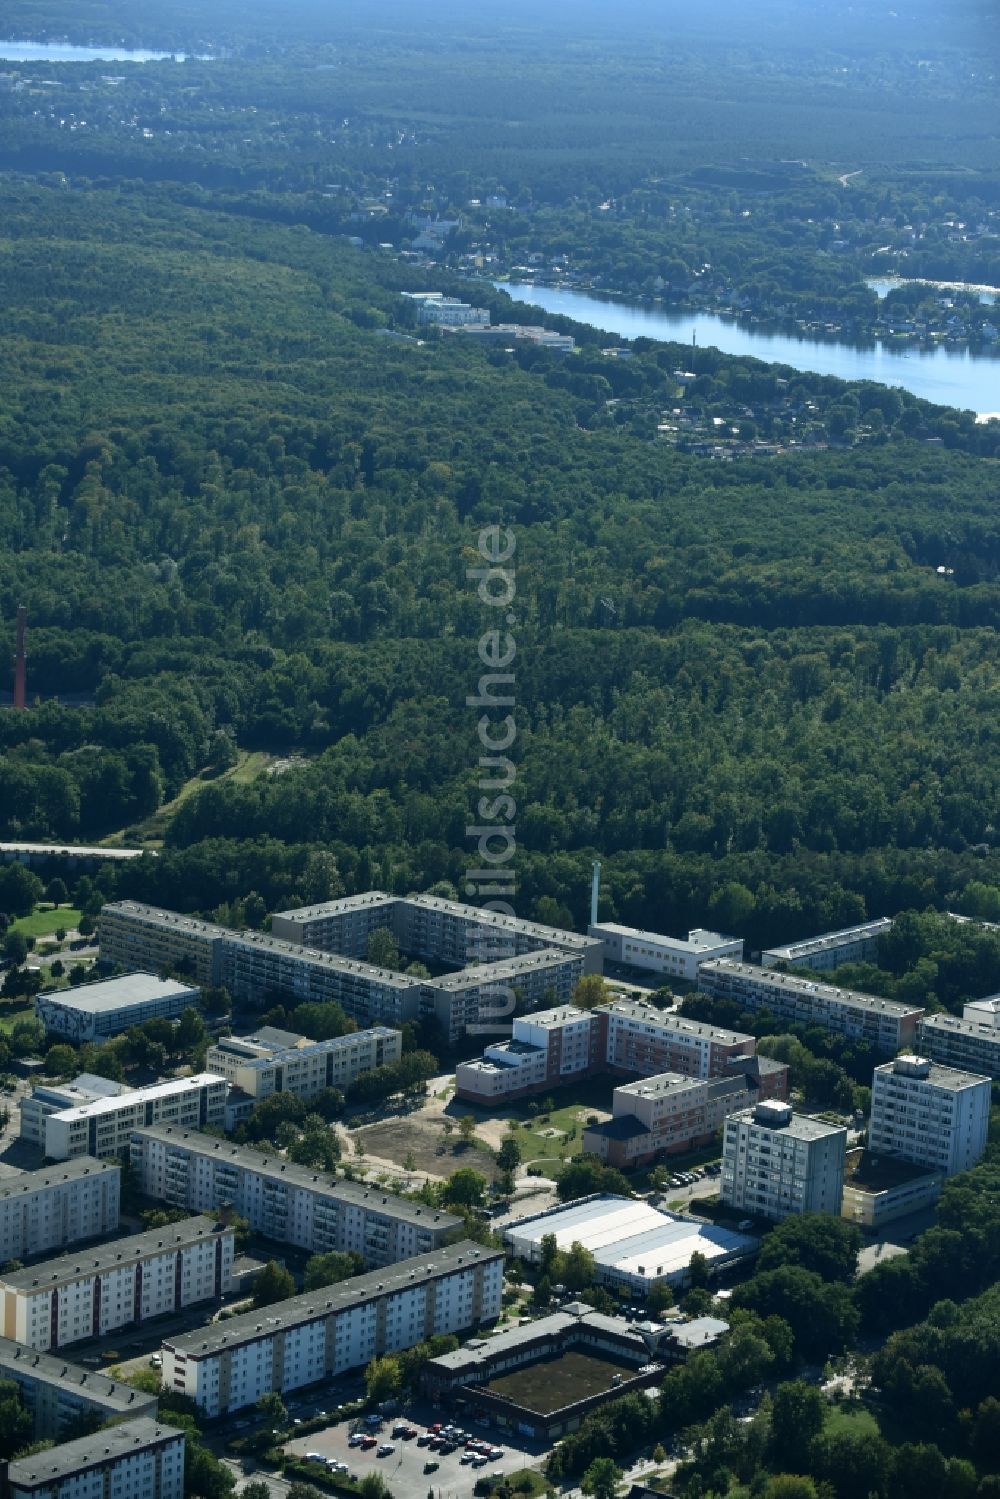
{"x": 292, "y": 1204}
{"x": 776, "y": 1162}
{"x": 128, "y": 1281}
{"x": 934, "y": 1116}
{"x": 276, "y": 1061}
{"x": 852, "y": 944}
{"x": 92, "y": 1012}
{"x": 675, "y": 957}
{"x": 59, "y": 1205}
{"x": 547, "y": 1049}
{"x": 105, "y": 1127}
{"x": 634, "y": 1244}
{"x": 139, "y": 1459}
{"x": 314, "y": 1337}
{"x": 986, "y": 1011}
{"x": 52, "y": 1098}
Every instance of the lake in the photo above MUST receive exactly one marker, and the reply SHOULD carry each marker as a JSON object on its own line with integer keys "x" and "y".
{"x": 949, "y": 376}
{"x": 65, "y": 52}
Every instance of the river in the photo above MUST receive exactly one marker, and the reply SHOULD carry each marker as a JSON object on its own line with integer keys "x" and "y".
{"x": 948, "y": 375}
{"x": 66, "y": 52}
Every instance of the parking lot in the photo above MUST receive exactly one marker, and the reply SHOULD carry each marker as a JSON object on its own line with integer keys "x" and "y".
{"x": 404, "y": 1470}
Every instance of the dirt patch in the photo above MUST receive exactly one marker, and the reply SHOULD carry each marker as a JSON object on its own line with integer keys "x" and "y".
{"x": 425, "y": 1140}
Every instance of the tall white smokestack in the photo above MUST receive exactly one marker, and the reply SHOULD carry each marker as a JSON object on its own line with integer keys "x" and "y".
{"x": 595, "y": 891}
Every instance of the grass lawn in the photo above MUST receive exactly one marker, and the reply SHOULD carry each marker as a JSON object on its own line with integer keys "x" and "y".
{"x": 248, "y": 766}
{"x": 548, "y": 1139}
{"x": 528, "y": 1481}
{"x": 11, "y": 1014}
{"x": 854, "y": 1418}
{"x": 43, "y": 921}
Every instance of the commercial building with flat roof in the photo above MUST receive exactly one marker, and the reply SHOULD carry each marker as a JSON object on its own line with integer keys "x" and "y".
{"x": 935, "y": 1116}
{"x": 776, "y": 1162}
{"x": 669, "y": 1114}
{"x": 104, "y": 1127}
{"x": 675, "y": 957}
{"x": 276, "y": 1061}
{"x": 878, "y": 1189}
{"x": 59, "y": 1205}
{"x": 283, "y": 1201}
{"x": 58, "y": 1393}
{"x": 886, "y": 1024}
{"x": 634, "y": 1245}
{"x": 970, "y": 1044}
{"x": 101, "y": 1289}
{"x": 92, "y": 1012}
{"x": 314, "y": 1337}
{"x": 140, "y": 1459}
{"x": 852, "y": 944}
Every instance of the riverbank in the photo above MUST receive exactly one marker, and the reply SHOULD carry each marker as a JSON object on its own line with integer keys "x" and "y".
{"x": 946, "y": 374}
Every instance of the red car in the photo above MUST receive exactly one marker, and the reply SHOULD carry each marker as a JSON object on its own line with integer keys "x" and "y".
{"x": 368, "y": 1444}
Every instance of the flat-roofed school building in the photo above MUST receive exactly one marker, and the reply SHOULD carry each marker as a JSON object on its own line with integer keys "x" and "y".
{"x": 92, "y": 1012}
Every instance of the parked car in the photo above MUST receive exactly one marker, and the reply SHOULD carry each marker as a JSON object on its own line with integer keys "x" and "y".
{"x": 424, "y": 1438}
{"x": 367, "y": 1443}
{"x": 479, "y": 1461}
{"x": 385, "y": 1449}
{"x": 431, "y": 1467}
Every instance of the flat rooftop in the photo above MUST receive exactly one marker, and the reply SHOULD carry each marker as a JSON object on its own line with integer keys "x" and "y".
{"x": 83, "y": 1089}
{"x": 111, "y": 1444}
{"x": 695, "y": 942}
{"x": 158, "y": 916}
{"x": 108, "y": 995}
{"x": 55, "y": 1176}
{"x": 20, "y": 1362}
{"x": 101, "y": 1257}
{"x": 168, "y": 1088}
{"x": 796, "y": 983}
{"x": 661, "y": 1084}
{"x": 75, "y": 851}
{"x": 242, "y": 1157}
{"x": 797, "y": 1127}
{"x": 247, "y": 942}
{"x": 495, "y": 973}
{"x": 629, "y": 1236}
{"x": 848, "y": 934}
{"x": 560, "y": 1015}
{"x": 480, "y": 1353}
{"x": 922, "y": 1070}
{"x": 881, "y": 1173}
{"x": 345, "y": 906}
{"x": 218, "y": 1337}
{"x": 985, "y": 1030}
{"x": 669, "y": 1020}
